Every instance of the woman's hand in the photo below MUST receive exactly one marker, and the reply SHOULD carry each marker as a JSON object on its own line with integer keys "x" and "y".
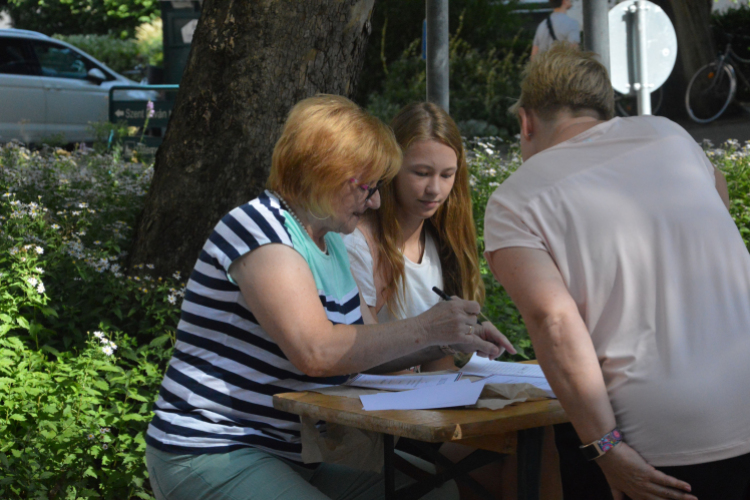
{"x": 487, "y": 332}
{"x": 454, "y": 322}
{"x": 629, "y": 474}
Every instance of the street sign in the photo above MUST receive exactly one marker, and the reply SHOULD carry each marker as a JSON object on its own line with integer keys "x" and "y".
{"x": 660, "y": 47}
{"x": 134, "y": 113}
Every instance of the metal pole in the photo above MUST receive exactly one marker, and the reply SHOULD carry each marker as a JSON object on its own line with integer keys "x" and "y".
{"x": 596, "y": 29}
{"x": 642, "y": 86}
{"x": 437, "y": 52}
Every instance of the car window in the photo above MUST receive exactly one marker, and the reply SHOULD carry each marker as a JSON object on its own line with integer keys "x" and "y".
{"x": 16, "y": 57}
{"x": 62, "y": 62}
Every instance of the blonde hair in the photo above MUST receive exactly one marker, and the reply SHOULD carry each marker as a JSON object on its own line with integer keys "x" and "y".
{"x": 563, "y": 77}
{"x": 452, "y": 225}
{"x": 326, "y": 141}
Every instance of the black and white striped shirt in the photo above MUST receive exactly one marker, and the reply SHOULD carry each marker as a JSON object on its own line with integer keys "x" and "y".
{"x": 217, "y": 393}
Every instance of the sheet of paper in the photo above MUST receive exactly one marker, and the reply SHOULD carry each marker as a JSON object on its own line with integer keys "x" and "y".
{"x": 461, "y": 393}
{"x": 401, "y": 382}
{"x": 541, "y": 383}
{"x": 484, "y": 367}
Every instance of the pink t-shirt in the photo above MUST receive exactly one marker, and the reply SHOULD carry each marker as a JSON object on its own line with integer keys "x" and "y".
{"x": 629, "y": 212}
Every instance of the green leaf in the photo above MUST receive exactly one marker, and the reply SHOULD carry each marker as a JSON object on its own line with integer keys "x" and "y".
{"x": 51, "y": 350}
{"x": 160, "y": 341}
{"x": 23, "y": 322}
{"x": 18, "y": 417}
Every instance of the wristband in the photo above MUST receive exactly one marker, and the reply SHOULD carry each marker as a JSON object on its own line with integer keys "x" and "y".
{"x": 594, "y": 450}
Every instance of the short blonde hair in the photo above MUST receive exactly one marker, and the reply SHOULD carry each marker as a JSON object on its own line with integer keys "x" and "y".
{"x": 326, "y": 141}
{"x": 563, "y": 77}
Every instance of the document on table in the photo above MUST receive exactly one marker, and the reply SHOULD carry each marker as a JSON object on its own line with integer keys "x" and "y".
{"x": 402, "y": 382}
{"x": 484, "y": 367}
{"x": 541, "y": 383}
{"x": 461, "y": 393}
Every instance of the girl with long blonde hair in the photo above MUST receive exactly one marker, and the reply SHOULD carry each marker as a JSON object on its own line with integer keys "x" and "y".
{"x": 423, "y": 235}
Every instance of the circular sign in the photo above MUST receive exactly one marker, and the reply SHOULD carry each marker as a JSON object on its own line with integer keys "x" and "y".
{"x": 661, "y": 48}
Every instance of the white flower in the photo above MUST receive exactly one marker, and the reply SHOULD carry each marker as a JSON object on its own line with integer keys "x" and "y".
{"x": 113, "y": 345}
{"x": 55, "y": 227}
{"x": 40, "y": 288}
{"x": 33, "y": 281}
{"x": 39, "y": 270}
{"x": 103, "y": 340}
{"x": 172, "y": 299}
{"x": 98, "y": 334}
{"x": 107, "y": 350}
{"x": 39, "y": 250}
{"x": 150, "y": 266}
{"x": 176, "y": 275}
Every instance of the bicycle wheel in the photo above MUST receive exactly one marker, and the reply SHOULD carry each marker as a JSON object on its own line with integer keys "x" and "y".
{"x": 627, "y": 104}
{"x": 710, "y": 91}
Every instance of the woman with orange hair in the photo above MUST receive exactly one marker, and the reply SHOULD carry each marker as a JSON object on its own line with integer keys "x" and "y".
{"x": 271, "y": 306}
{"x": 423, "y": 235}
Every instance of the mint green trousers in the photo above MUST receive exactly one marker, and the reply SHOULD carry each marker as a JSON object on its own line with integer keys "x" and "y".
{"x": 252, "y": 474}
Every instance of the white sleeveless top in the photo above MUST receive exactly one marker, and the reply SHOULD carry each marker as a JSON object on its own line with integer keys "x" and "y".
{"x": 418, "y": 278}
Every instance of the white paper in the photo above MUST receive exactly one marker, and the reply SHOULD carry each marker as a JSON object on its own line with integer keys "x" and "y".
{"x": 401, "y": 382}
{"x": 485, "y": 367}
{"x": 461, "y": 393}
{"x": 541, "y": 383}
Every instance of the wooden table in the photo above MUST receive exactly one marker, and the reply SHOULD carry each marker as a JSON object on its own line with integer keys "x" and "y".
{"x": 517, "y": 427}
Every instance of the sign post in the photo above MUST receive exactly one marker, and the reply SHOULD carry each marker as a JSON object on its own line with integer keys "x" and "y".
{"x": 642, "y": 49}
{"x": 438, "y": 53}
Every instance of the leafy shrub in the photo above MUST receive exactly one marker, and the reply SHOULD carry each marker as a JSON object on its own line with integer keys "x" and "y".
{"x": 73, "y": 409}
{"x": 123, "y": 55}
{"x": 734, "y": 162}
{"x": 486, "y": 25}
{"x": 149, "y": 39}
{"x": 120, "y": 55}
{"x": 491, "y": 161}
{"x": 482, "y": 88}
{"x": 68, "y": 17}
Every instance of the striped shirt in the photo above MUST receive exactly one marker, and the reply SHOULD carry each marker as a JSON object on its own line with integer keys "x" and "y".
{"x": 216, "y": 395}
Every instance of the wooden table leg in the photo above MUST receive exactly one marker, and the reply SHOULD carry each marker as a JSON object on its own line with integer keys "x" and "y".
{"x": 529, "y": 462}
{"x": 388, "y": 468}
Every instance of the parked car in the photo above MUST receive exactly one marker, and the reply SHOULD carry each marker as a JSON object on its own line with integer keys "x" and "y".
{"x": 49, "y": 88}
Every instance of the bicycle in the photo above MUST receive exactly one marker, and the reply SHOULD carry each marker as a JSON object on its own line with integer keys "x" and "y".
{"x": 713, "y": 87}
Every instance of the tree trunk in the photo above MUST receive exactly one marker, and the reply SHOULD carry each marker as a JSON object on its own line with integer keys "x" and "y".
{"x": 250, "y": 62}
{"x": 695, "y": 47}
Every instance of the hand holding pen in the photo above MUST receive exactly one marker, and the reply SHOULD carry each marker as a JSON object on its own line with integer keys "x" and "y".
{"x": 487, "y": 330}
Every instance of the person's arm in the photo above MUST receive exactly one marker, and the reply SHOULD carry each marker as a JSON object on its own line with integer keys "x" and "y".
{"x": 567, "y": 356}
{"x": 721, "y": 186}
{"x": 534, "y": 51}
{"x": 280, "y": 290}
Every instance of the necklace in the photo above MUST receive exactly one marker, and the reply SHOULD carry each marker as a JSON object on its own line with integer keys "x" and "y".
{"x": 291, "y": 212}
{"x": 288, "y": 208}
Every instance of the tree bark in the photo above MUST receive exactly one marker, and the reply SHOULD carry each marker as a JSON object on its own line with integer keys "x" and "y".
{"x": 250, "y": 62}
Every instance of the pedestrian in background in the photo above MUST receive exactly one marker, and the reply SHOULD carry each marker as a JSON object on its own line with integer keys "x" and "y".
{"x": 558, "y": 26}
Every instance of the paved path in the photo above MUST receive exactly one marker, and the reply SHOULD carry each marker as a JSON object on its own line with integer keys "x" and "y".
{"x": 734, "y": 127}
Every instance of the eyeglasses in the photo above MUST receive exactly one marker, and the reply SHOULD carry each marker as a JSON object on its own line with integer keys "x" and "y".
{"x": 370, "y": 190}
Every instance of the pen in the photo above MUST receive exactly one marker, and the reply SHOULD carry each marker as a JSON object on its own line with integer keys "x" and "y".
{"x": 445, "y": 296}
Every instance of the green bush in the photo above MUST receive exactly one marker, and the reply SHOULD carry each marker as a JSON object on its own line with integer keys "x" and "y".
{"x": 68, "y": 17}
{"x": 74, "y": 408}
{"x": 482, "y": 88}
{"x": 120, "y": 55}
{"x": 486, "y": 25}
